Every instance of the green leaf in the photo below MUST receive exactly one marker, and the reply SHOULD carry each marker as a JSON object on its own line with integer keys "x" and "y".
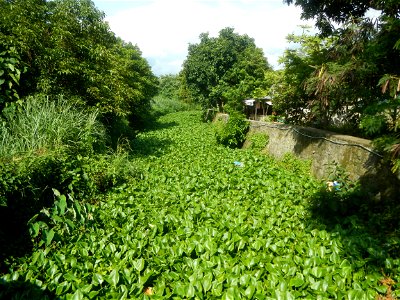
{"x": 206, "y": 282}
{"x": 35, "y": 228}
{"x": 78, "y": 295}
{"x": 190, "y": 291}
{"x": 249, "y": 292}
{"x": 11, "y": 67}
{"x": 70, "y": 277}
{"x": 62, "y": 204}
{"x": 297, "y": 281}
{"x": 113, "y": 278}
{"x": 355, "y": 295}
{"x": 93, "y": 294}
{"x": 97, "y": 279}
{"x": 318, "y": 272}
{"x": 232, "y": 293}
{"x": 49, "y": 236}
{"x": 139, "y": 264}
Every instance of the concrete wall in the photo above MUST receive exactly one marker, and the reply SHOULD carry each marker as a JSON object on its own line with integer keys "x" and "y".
{"x": 325, "y": 148}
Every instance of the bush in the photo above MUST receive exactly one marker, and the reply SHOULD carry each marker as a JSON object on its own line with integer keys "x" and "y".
{"x": 40, "y": 125}
{"x": 49, "y": 145}
{"x": 233, "y": 132}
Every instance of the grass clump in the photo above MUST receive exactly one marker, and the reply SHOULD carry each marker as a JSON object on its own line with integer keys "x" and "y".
{"x": 40, "y": 125}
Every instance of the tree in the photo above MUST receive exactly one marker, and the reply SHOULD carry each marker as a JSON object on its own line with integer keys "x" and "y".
{"x": 169, "y": 86}
{"x": 333, "y": 76}
{"x": 68, "y": 48}
{"x": 223, "y": 70}
{"x": 363, "y": 66}
{"x": 299, "y": 63}
{"x": 327, "y": 12}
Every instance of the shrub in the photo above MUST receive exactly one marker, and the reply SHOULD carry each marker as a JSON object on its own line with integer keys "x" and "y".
{"x": 51, "y": 144}
{"x": 233, "y": 132}
{"x": 40, "y": 125}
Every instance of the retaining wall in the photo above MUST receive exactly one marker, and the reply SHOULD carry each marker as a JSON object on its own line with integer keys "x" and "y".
{"x": 324, "y": 149}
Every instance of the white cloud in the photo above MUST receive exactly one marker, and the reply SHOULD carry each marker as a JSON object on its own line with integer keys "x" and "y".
{"x": 163, "y": 29}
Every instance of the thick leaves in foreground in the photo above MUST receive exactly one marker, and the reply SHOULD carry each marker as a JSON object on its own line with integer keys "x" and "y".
{"x": 197, "y": 225}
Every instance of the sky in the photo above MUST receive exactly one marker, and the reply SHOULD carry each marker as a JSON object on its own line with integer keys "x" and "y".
{"x": 163, "y": 29}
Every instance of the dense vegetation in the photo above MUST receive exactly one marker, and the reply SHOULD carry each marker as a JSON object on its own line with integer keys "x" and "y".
{"x": 71, "y": 96}
{"x": 195, "y": 223}
{"x": 107, "y": 192}
{"x": 346, "y": 77}
{"x": 223, "y": 70}
{"x": 66, "y": 47}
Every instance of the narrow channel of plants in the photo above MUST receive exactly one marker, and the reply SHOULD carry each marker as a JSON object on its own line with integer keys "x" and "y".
{"x": 200, "y": 220}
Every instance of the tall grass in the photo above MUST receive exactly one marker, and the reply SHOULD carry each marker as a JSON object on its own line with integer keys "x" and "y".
{"x": 42, "y": 124}
{"x": 162, "y": 105}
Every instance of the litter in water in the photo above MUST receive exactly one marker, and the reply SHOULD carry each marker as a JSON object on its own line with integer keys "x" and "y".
{"x": 333, "y": 186}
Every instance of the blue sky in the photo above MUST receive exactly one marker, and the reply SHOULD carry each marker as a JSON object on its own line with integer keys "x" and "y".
{"x": 163, "y": 29}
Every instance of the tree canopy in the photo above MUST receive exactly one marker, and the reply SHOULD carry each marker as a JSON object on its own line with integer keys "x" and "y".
{"x": 223, "y": 70}
{"x": 340, "y": 11}
{"x": 351, "y": 69}
{"x": 66, "y": 47}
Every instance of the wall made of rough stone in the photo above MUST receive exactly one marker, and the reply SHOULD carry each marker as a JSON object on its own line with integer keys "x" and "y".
{"x": 324, "y": 149}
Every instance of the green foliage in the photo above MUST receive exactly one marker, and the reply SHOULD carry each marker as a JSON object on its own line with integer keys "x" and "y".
{"x": 52, "y": 144}
{"x": 338, "y": 196}
{"x": 326, "y": 81}
{"x": 169, "y": 86}
{"x": 68, "y": 48}
{"x": 163, "y": 105}
{"x": 42, "y": 124}
{"x": 206, "y": 229}
{"x": 257, "y": 140}
{"x": 326, "y": 12}
{"x": 223, "y": 70}
{"x": 355, "y": 76}
{"x": 10, "y": 73}
{"x": 373, "y": 125}
{"x": 232, "y": 133}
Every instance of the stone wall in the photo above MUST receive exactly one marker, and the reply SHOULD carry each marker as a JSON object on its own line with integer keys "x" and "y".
{"x": 325, "y": 149}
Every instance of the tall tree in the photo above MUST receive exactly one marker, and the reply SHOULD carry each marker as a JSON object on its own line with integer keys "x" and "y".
{"x": 67, "y": 48}
{"x": 327, "y": 12}
{"x": 223, "y": 70}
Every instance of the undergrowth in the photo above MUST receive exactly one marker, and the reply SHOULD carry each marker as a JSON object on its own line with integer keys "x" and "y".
{"x": 47, "y": 145}
{"x": 204, "y": 221}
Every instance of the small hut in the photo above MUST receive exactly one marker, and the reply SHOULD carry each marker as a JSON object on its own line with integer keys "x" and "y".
{"x": 258, "y": 107}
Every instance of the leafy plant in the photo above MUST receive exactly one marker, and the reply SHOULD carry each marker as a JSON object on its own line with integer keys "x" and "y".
{"x": 196, "y": 225}
{"x": 339, "y": 196}
{"x": 232, "y": 133}
{"x": 257, "y": 140}
{"x": 10, "y": 72}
